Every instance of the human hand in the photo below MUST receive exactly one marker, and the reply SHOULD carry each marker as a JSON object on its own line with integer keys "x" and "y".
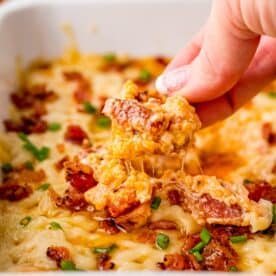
{"x": 228, "y": 61}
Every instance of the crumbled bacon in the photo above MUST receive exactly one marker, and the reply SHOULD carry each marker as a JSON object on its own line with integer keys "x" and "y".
{"x": 206, "y": 206}
{"x": 268, "y": 134}
{"x": 135, "y": 217}
{"x": 146, "y": 236}
{"x": 26, "y": 125}
{"x": 14, "y": 191}
{"x": 104, "y": 262}
{"x": 174, "y": 197}
{"x": 190, "y": 241}
{"x": 163, "y": 225}
{"x": 72, "y": 200}
{"x": 75, "y": 134}
{"x": 162, "y": 60}
{"x": 261, "y": 189}
{"x": 80, "y": 176}
{"x": 218, "y": 257}
{"x": 27, "y": 176}
{"x": 58, "y": 254}
{"x": 59, "y": 165}
{"x": 82, "y": 92}
{"x": 222, "y": 233}
{"x": 179, "y": 262}
{"x": 109, "y": 226}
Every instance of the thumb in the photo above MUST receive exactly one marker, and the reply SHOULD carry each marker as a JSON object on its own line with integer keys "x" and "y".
{"x": 226, "y": 51}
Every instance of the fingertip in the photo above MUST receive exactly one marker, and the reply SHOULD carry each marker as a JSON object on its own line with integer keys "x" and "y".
{"x": 160, "y": 85}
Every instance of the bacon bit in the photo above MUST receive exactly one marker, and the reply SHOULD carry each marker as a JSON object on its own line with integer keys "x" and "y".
{"x": 32, "y": 176}
{"x": 179, "y": 262}
{"x": 82, "y": 92}
{"x": 134, "y": 218}
{"x": 268, "y": 134}
{"x": 59, "y": 165}
{"x": 174, "y": 197}
{"x": 60, "y": 148}
{"x": 222, "y": 233}
{"x": 14, "y": 191}
{"x": 261, "y": 189}
{"x": 58, "y": 254}
{"x": 109, "y": 226}
{"x": 72, "y": 76}
{"x": 123, "y": 206}
{"x": 146, "y": 236}
{"x": 213, "y": 208}
{"x": 162, "y": 60}
{"x": 218, "y": 257}
{"x": 81, "y": 181}
{"x": 104, "y": 262}
{"x": 72, "y": 200}
{"x": 190, "y": 241}
{"x": 27, "y": 125}
{"x": 75, "y": 134}
{"x": 163, "y": 225}
{"x": 80, "y": 176}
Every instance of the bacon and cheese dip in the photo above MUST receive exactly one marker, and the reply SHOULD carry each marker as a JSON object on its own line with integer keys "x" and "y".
{"x": 84, "y": 191}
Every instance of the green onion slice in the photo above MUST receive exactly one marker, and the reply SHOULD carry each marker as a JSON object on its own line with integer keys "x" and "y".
{"x": 103, "y": 122}
{"x": 104, "y": 250}
{"x": 67, "y": 265}
{"x": 110, "y": 57}
{"x": 40, "y": 154}
{"x": 55, "y": 226}
{"x": 247, "y": 181}
{"x": 25, "y": 221}
{"x": 162, "y": 241}
{"x": 205, "y": 236}
{"x": 89, "y": 108}
{"x": 198, "y": 247}
{"x": 54, "y": 126}
{"x": 29, "y": 165}
{"x": 274, "y": 213}
{"x": 198, "y": 256}
{"x": 43, "y": 187}
{"x": 238, "y": 239}
{"x": 155, "y": 203}
{"x": 145, "y": 75}
{"x": 233, "y": 268}
{"x": 7, "y": 167}
{"x": 272, "y": 94}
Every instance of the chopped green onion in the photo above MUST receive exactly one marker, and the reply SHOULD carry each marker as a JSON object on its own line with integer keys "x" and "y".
{"x": 67, "y": 265}
{"x": 7, "y": 167}
{"x": 44, "y": 187}
{"x": 198, "y": 256}
{"x": 54, "y": 126}
{"x": 274, "y": 213}
{"x": 238, "y": 239}
{"x": 155, "y": 203}
{"x": 247, "y": 181}
{"x": 103, "y": 122}
{"x": 144, "y": 75}
{"x": 205, "y": 236}
{"x": 272, "y": 94}
{"x": 109, "y": 57}
{"x": 233, "y": 268}
{"x": 29, "y": 165}
{"x": 104, "y": 250}
{"x": 55, "y": 225}
{"x": 25, "y": 221}
{"x": 198, "y": 247}
{"x": 40, "y": 154}
{"x": 89, "y": 108}
{"x": 162, "y": 241}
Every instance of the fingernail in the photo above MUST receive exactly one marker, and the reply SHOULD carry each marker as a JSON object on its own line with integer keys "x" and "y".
{"x": 172, "y": 81}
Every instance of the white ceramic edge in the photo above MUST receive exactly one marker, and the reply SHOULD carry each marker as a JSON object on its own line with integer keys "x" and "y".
{"x": 15, "y": 5}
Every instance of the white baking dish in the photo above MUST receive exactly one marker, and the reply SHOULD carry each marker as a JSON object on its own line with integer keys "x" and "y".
{"x": 33, "y": 28}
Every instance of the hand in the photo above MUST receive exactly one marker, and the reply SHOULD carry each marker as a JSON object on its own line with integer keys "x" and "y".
{"x": 228, "y": 61}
